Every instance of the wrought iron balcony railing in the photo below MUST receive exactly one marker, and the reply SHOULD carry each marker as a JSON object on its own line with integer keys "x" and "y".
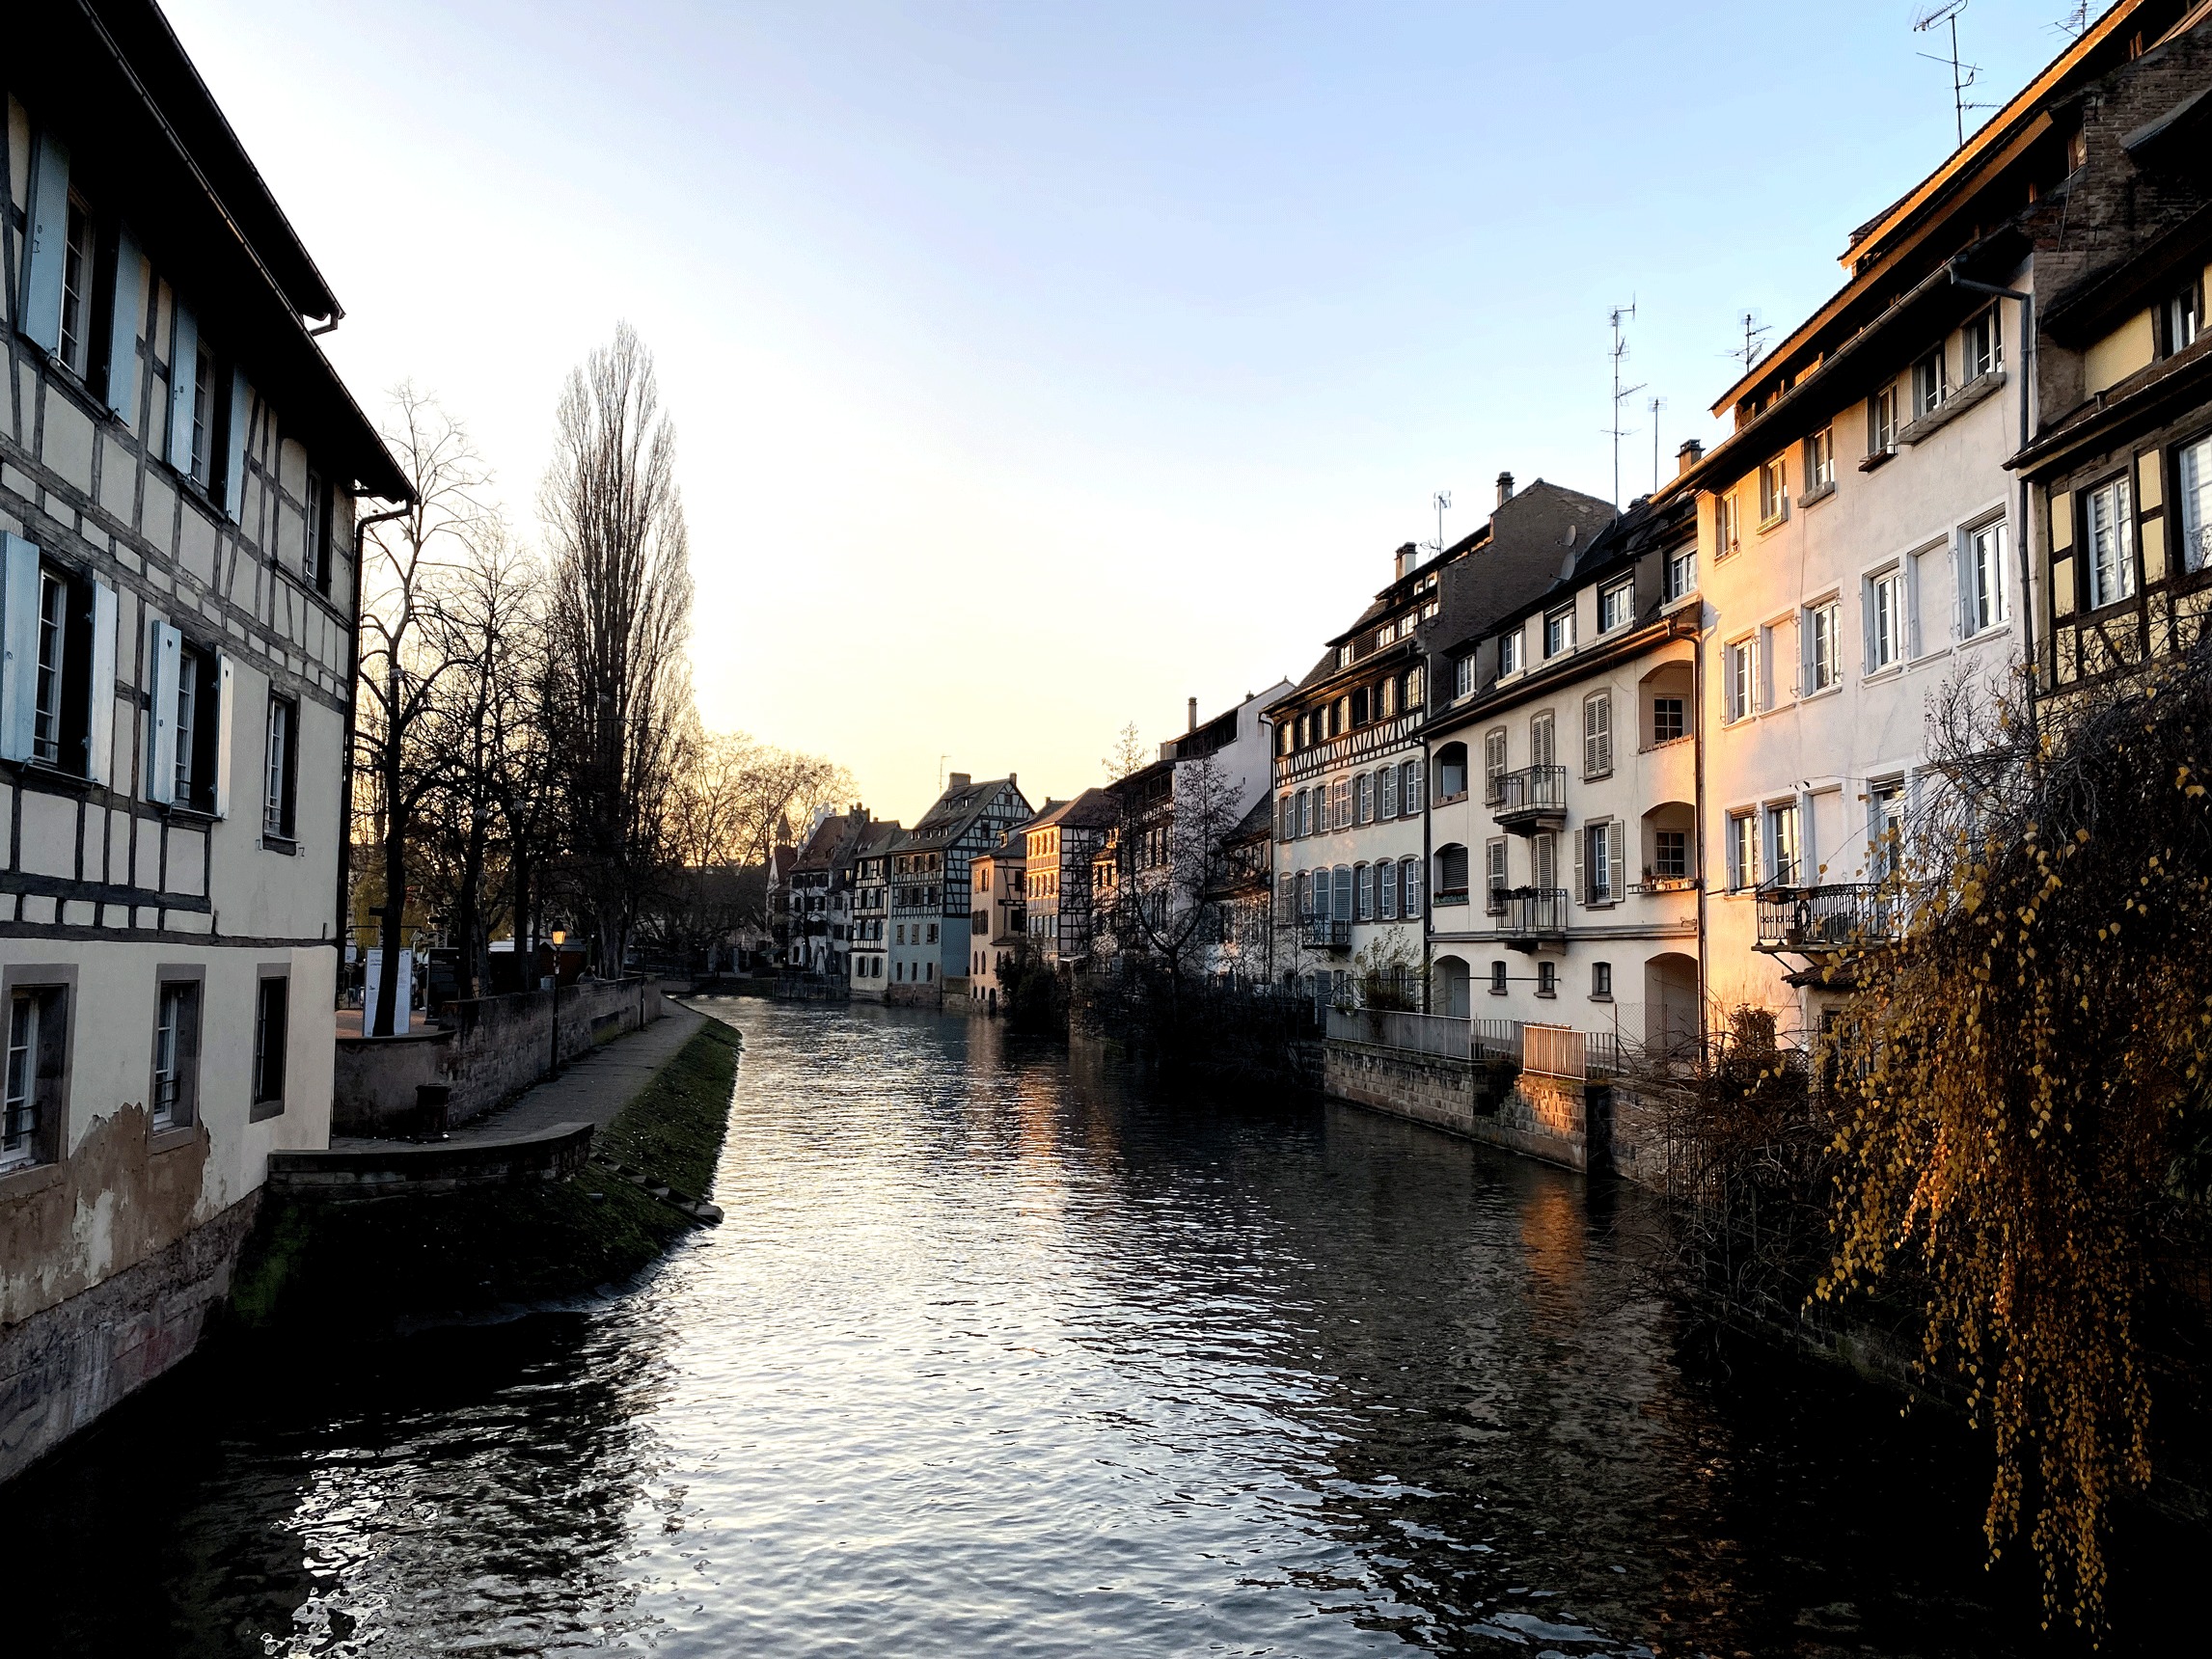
{"x": 1804, "y": 921}
{"x": 1321, "y": 934}
{"x": 1534, "y": 914}
{"x": 1532, "y": 796}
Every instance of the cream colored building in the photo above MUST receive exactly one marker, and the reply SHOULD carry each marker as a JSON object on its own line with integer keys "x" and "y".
{"x": 179, "y": 469}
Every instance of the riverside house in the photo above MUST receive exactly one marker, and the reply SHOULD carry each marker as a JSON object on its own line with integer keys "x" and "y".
{"x": 929, "y": 886}
{"x": 1059, "y": 847}
{"x": 997, "y": 882}
{"x": 871, "y": 905}
{"x": 1860, "y": 530}
{"x": 180, "y": 472}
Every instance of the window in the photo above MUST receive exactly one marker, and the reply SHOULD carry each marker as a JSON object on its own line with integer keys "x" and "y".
{"x": 175, "y": 1052}
{"x": 1773, "y": 492}
{"x": 1494, "y": 876}
{"x": 1340, "y": 803}
{"x": 1928, "y": 386}
{"x": 1742, "y": 851}
{"x": 37, "y": 1050}
{"x": 1409, "y": 879}
{"x": 1388, "y": 692}
{"x": 78, "y": 259}
{"x": 1542, "y": 740}
{"x": 1821, "y": 460}
{"x": 46, "y": 704}
{"x": 1671, "y": 854}
{"x": 1340, "y": 884}
{"x": 1452, "y": 772}
{"x": 1602, "y": 858}
{"x": 1740, "y": 663}
{"x": 1601, "y": 981}
{"x": 1462, "y": 674}
{"x": 271, "y": 1011}
{"x": 1493, "y": 764}
{"x": 314, "y": 561}
{"x": 1286, "y": 818}
{"x": 1885, "y": 619}
{"x": 1509, "y": 653}
{"x": 1681, "y": 572}
{"x": 1305, "y": 812}
{"x": 1882, "y": 421}
{"x": 1416, "y": 683}
{"x": 2193, "y": 472}
{"x": 1982, "y": 585}
{"x": 1615, "y": 607}
{"x": 1597, "y": 734}
{"x": 1344, "y": 655}
{"x": 1451, "y": 874}
{"x": 1670, "y": 718}
{"x": 1885, "y": 827}
{"x": 1558, "y": 633}
{"x": 1387, "y": 891}
{"x": 1782, "y": 853}
{"x": 1363, "y": 892}
{"x": 1821, "y": 663}
{"x": 1547, "y": 979}
{"x": 1985, "y": 344}
{"x": 1728, "y": 531}
{"x": 1497, "y": 979}
{"x": 2111, "y": 536}
{"x": 1359, "y": 701}
{"x": 1388, "y": 790}
{"x": 279, "y": 762}
{"x": 932, "y": 933}
{"x": 2180, "y": 319}
{"x": 1410, "y": 786}
{"x": 202, "y": 371}
{"x": 1363, "y": 799}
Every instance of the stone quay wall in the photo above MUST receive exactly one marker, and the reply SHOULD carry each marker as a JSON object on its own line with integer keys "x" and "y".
{"x": 67, "y": 1365}
{"x": 1536, "y": 1115}
{"x": 488, "y": 1050}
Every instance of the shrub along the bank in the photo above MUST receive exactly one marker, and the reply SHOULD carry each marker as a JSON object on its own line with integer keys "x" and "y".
{"x": 438, "y": 1255}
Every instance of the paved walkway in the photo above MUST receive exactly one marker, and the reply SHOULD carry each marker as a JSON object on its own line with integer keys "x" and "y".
{"x": 593, "y": 1088}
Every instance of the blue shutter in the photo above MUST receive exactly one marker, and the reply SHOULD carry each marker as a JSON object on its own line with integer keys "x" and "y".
{"x": 164, "y": 649}
{"x": 49, "y": 242}
{"x": 234, "y": 462}
{"x": 99, "y": 739}
{"x": 183, "y": 376}
{"x": 19, "y": 633}
{"x": 122, "y": 326}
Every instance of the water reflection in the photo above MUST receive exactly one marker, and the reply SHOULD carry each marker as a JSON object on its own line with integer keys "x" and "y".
{"x": 997, "y": 1352}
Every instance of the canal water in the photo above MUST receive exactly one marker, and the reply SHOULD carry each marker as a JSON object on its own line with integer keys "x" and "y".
{"x": 999, "y": 1353}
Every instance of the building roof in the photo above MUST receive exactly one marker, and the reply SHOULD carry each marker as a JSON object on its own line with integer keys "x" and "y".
{"x": 114, "y": 80}
{"x": 955, "y": 812}
{"x": 1092, "y": 809}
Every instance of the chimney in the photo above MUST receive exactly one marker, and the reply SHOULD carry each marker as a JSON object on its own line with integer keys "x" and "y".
{"x": 1504, "y": 488}
{"x": 1193, "y": 726}
{"x": 958, "y": 780}
{"x": 1688, "y": 455}
{"x": 1408, "y": 557}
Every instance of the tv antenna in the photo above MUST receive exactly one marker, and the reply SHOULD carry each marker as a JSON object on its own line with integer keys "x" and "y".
{"x": 941, "y": 760}
{"x": 1621, "y": 393}
{"x": 1442, "y": 501}
{"x": 1654, "y": 406}
{"x": 1944, "y": 14}
{"x": 2076, "y": 22}
{"x": 1754, "y": 345}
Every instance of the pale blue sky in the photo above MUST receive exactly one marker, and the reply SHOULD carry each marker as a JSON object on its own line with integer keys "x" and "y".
{"x": 1037, "y": 367}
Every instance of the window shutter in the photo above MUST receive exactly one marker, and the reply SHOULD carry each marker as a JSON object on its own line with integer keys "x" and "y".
{"x": 1415, "y": 908}
{"x": 1806, "y": 629}
{"x": 1869, "y": 624}
{"x": 222, "y": 721}
{"x": 99, "y": 727}
{"x": 49, "y": 242}
{"x": 1620, "y": 849}
{"x": 1390, "y": 792}
{"x": 164, "y": 647}
{"x": 1581, "y": 893}
{"x": 19, "y": 628}
{"x": 183, "y": 378}
{"x": 123, "y": 318}
{"x": 1912, "y": 595}
{"x": 234, "y": 445}
{"x": 1343, "y": 885}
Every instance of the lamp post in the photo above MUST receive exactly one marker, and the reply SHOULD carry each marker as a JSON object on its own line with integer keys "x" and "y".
{"x": 559, "y": 938}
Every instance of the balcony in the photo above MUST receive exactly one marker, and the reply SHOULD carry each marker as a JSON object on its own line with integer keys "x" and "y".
{"x": 1324, "y": 934}
{"x": 1534, "y": 917}
{"x": 1807, "y": 921}
{"x": 1532, "y": 799}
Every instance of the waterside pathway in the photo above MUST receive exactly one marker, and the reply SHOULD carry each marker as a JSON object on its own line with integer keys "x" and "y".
{"x": 997, "y": 1353}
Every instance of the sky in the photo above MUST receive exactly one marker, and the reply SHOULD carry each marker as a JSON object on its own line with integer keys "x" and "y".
{"x": 1038, "y": 366}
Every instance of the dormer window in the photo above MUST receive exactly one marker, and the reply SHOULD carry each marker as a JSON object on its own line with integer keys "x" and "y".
{"x": 1344, "y": 655}
{"x": 1559, "y": 633}
{"x": 1509, "y": 653}
{"x": 1615, "y": 606}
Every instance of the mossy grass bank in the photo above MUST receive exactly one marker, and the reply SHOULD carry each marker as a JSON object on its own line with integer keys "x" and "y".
{"x": 433, "y": 1256}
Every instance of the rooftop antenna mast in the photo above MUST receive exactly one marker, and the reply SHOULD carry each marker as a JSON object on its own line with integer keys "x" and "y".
{"x": 1621, "y": 393}
{"x": 941, "y": 760}
{"x": 1944, "y": 14}
{"x": 1655, "y": 405}
{"x": 1442, "y": 501}
{"x": 1754, "y": 345}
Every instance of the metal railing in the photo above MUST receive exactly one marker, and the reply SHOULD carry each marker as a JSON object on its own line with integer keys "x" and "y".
{"x": 1827, "y": 917}
{"x": 1552, "y": 1050}
{"x": 1535, "y": 912}
{"x": 1531, "y": 789}
{"x": 1321, "y": 934}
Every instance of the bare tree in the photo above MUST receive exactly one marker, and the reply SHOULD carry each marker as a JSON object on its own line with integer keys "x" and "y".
{"x": 402, "y": 647}
{"x": 1130, "y": 754}
{"x": 620, "y": 621}
{"x": 1174, "y": 826}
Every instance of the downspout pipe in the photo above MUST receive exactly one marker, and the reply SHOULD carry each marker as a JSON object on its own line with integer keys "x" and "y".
{"x": 343, "y": 928}
{"x": 2027, "y": 304}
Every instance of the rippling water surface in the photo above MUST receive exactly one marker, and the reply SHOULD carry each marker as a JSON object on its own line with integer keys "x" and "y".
{"x": 996, "y": 1353}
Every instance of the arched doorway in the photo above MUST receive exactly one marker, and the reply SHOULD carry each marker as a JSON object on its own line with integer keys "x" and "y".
{"x": 1671, "y": 1003}
{"x": 1453, "y": 992}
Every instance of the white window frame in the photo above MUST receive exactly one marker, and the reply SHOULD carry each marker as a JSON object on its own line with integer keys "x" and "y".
{"x": 1739, "y": 683}
{"x": 1509, "y": 653}
{"x": 1682, "y": 574}
{"x": 1985, "y": 344}
{"x": 1742, "y": 850}
{"x": 1820, "y": 626}
{"x": 1821, "y": 460}
{"x": 1558, "y": 631}
{"x": 1984, "y": 578}
{"x": 1784, "y": 843}
{"x": 1616, "y": 605}
{"x": 2111, "y": 580}
{"x": 2193, "y": 480}
{"x": 1884, "y": 597}
{"x": 1773, "y": 491}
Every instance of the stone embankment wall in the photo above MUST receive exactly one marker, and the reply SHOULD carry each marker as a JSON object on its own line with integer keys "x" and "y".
{"x": 489, "y": 1049}
{"x": 1571, "y": 1121}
